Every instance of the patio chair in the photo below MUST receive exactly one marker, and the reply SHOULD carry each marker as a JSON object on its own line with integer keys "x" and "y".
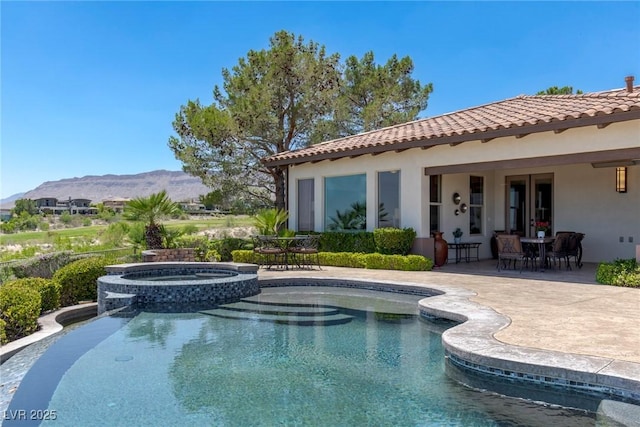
{"x": 304, "y": 249}
{"x": 269, "y": 250}
{"x": 510, "y": 249}
{"x": 574, "y": 248}
{"x": 559, "y": 249}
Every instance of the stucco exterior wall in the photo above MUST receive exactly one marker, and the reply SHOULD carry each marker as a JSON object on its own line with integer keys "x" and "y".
{"x": 585, "y": 199}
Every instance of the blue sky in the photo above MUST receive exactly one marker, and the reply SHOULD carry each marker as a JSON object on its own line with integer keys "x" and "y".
{"x": 91, "y": 88}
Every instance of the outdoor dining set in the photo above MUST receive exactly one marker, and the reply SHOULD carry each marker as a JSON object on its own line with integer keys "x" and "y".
{"x": 539, "y": 253}
{"x": 301, "y": 251}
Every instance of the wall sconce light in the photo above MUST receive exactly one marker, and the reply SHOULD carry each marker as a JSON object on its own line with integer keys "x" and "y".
{"x": 456, "y": 198}
{"x": 621, "y": 179}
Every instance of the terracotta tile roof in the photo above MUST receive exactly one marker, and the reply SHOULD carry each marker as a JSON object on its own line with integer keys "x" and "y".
{"x": 521, "y": 115}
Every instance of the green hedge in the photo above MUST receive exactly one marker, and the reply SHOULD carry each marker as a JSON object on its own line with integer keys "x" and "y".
{"x": 227, "y": 245}
{"x": 358, "y": 242}
{"x": 3, "y": 333}
{"x": 394, "y": 241}
{"x": 79, "y": 280}
{"x": 48, "y": 289}
{"x": 19, "y": 310}
{"x": 621, "y": 272}
{"x": 42, "y": 265}
{"x": 354, "y": 260}
{"x": 397, "y": 262}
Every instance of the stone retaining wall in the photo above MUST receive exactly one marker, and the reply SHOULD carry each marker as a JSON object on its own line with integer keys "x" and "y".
{"x": 169, "y": 255}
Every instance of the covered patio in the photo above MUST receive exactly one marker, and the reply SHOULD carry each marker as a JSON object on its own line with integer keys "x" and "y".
{"x": 570, "y": 161}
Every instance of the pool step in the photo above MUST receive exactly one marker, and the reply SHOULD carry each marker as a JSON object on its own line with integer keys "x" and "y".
{"x": 280, "y": 309}
{"x": 303, "y": 315}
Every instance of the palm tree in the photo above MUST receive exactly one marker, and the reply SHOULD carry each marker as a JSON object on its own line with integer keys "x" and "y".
{"x": 150, "y": 210}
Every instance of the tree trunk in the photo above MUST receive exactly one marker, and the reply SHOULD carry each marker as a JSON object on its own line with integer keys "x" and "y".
{"x": 153, "y": 236}
{"x": 281, "y": 191}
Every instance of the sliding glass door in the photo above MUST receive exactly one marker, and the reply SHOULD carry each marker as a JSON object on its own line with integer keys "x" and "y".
{"x": 529, "y": 202}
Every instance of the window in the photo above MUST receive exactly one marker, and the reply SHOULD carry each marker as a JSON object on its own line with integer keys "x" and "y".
{"x": 435, "y": 199}
{"x": 345, "y": 199}
{"x": 306, "y": 205}
{"x": 476, "y": 203}
{"x": 389, "y": 199}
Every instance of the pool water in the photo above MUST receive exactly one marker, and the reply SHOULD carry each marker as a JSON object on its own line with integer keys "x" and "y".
{"x": 289, "y": 356}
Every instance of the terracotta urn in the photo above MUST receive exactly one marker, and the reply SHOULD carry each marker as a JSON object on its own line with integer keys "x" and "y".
{"x": 441, "y": 249}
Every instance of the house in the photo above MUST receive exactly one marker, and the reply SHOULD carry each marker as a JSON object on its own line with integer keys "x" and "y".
{"x": 52, "y": 205}
{"x": 46, "y": 204}
{"x": 572, "y": 161}
{"x": 192, "y": 207}
{"x": 116, "y": 204}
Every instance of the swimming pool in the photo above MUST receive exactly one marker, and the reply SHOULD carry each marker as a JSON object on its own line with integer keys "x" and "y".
{"x": 289, "y": 356}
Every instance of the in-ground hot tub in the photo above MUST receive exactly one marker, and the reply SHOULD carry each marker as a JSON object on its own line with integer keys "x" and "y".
{"x": 176, "y": 283}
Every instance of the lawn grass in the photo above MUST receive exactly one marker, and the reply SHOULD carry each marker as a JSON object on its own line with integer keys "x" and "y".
{"x": 91, "y": 232}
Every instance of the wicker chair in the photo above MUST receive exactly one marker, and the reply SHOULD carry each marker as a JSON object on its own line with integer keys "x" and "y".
{"x": 574, "y": 248}
{"x": 559, "y": 250}
{"x": 510, "y": 249}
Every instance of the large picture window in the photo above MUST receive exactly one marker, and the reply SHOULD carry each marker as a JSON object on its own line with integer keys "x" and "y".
{"x": 306, "y": 205}
{"x": 476, "y": 204}
{"x": 389, "y": 199}
{"x": 345, "y": 202}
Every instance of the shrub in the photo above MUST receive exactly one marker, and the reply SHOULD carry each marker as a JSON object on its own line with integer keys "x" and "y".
{"x": 354, "y": 260}
{"x": 42, "y": 265}
{"x": 19, "y": 310}
{"x": 394, "y": 241}
{"x": 337, "y": 241}
{"x": 78, "y": 280}
{"x": 226, "y": 246}
{"x": 397, "y": 262}
{"x": 621, "y": 272}
{"x": 48, "y": 289}
{"x": 65, "y": 218}
{"x": 247, "y": 257}
{"x": 270, "y": 221}
{"x": 211, "y": 256}
{"x": 342, "y": 259}
{"x": 3, "y": 334}
{"x": 115, "y": 234}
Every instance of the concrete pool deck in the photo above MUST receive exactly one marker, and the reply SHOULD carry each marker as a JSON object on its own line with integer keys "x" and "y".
{"x": 553, "y": 322}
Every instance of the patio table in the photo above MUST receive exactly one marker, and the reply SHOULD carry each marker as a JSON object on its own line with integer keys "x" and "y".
{"x": 542, "y": 243}
{"x": 285, "y": 243}
{"x": 463, "y": 249}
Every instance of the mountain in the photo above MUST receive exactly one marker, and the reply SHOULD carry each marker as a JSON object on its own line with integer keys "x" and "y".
{"x": 11, "y": 198}
{"x": 179, "y": 186}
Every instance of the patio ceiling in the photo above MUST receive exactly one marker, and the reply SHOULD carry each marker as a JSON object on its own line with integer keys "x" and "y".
{"x": 609, "y": 158}
{"x": 519, "y": 116}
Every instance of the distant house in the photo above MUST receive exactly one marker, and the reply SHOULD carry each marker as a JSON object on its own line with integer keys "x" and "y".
{"x": 116, "y": 204}
{"x": 47, "y": 204}
{"x": 81, "y": 206}
{"x": 5, "y": 214}
{"x": 572, "y": 161}
{"x": 191, "y": 207}
{"x": 51, "y": 205}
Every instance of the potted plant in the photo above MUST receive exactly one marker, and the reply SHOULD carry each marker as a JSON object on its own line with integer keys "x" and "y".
{"x": 541, "y": 228}
{"x": 457, "y": 235}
